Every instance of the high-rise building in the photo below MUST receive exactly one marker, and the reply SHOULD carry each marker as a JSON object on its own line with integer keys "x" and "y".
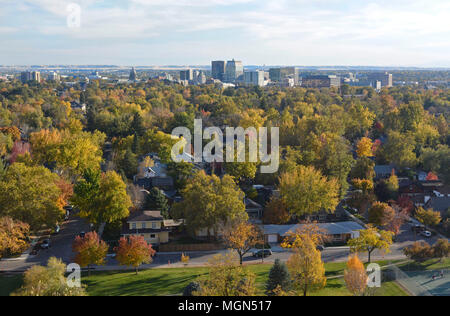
{"x": 280, "y": 74}
{"x": 234, "y": 70}
{"x": 385, "y": 78}
{"x": 187, "y": 75}
{"x": 30, "y": 76}
{"x": 199, "y": 77}
{"x": 321, "y": 81}
{"x": 254, "y": 78}
{"x": 53, "y": 76}
{"x": 133, "y": 75}
{"x": 218, "y": 68}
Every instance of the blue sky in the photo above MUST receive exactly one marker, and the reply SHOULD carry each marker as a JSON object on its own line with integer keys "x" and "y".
{"x": 271, "y": 32}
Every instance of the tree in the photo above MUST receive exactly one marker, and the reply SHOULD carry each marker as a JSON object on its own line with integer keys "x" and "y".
{"x": 438, "y": 161}
{"x": 48, "y": 281}
{"x": 134, "y": 251}
{"x": 276, "y": 212}
{"x": 363, "y": 169}
{"x": 307, "y": 191}
{"x": 428, "y": 217}
{"x": 209, "y": 202}
{"x": 381, "y": 214}
{"x": 371, "y": 239}
{"x": 102, "y": 197}
{"x": 279, "y": 278}
{"x": 157, "y": 201}
{"x": 399, "y": 150}
{"x": 355, "y": 276}
{"x": 90, "y": 250}
{"x": 364, "y": 147}
{"x": 192, "y": 288}
{"x": 227, "y": 278}
{"x": 441, "y": 249}
{"x": 31, "y": 195}
{"x": 306, "y": 268}
{"x": 241, "y": 236}
{"x": 419, "y": 251}
{"x": 13, "y": 236}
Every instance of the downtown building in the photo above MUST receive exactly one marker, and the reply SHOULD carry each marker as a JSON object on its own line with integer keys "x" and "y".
{"x": 30, "y": 76}
{"x": 255, "y": 78}
{"x": 282, "y": 74}
{"x": 384, "y": 77}
{"x": 321, "y": 81}
{"x": 218, "y": 69}
{"x": 234, "y": 71}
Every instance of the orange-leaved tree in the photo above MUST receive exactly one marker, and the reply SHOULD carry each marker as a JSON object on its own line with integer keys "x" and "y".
{"x": 241, "y": 236}
{"x": 355, "y": 276}
{"x": 134, "y": 251}
{"x": 90, "y": 250}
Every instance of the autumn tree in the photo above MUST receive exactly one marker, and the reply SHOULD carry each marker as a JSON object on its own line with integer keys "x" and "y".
{"x": 241, "y": 236}
{"x": 363, "y": 169}
{"x": 307, "y": 191}
{"x": 419, "y": 251}
{"x": 276, "y": 212}
{"x": 355, "y": 276}
{"x": 209, "y": 202}
{"x": 306, "y": 268}
{"x": 134, "y": 251}
{"x": 227, "y": 278}
{"x": 102, "y": 197}
{"x": 31, "y": 195}
{"x": 90, "y": 250}
{"x": 371, "y": 239}
{"x": 13, "y": 237}
{"x": 381, "y": 214}
{"x": 441, "y": 249}
{"x": 48, "y": 281}
{"x": 364, "y": 147}
{"x": 428, "y": 217}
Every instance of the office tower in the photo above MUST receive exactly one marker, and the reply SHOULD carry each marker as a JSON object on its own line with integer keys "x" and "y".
{"x": 133, "y": 75}
{"x": 321, "y": 81}
{"x": 218, "y": 69}
{"x": 254, "y": 78}
{"x": 234, "y": 70}
{"x": 282, "y": 73}
{"x": 53, "y": 76}
{"x": 385, "y": 78}
{"x": 30, "y": 76}
{"x": 199, "y": 77}
{"x": 187, "y": 75}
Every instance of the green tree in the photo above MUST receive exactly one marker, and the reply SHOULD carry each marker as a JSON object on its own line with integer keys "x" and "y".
{"x": 157, "y": 201}
{"x": 307, "y": 191}
{"x": 31, "y": 195}
{"x": 279, "y": 278}
{"x": 209, "y": 202}
{"x": 428, "y": 217}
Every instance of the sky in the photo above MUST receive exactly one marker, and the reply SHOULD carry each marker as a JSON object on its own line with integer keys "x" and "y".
{"x": 194, "y": 32}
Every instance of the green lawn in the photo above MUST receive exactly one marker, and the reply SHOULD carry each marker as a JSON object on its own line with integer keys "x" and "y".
{"x": 429, "y": 265}
{"x": 173, "y": 281}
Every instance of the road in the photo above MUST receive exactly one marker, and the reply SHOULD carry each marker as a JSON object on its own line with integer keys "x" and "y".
{"x": 61, "y": 248}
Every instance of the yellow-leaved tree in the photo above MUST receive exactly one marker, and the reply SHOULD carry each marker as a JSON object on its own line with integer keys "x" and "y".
{"x": 364, "y": 147}
{"x": 355, "y": 276}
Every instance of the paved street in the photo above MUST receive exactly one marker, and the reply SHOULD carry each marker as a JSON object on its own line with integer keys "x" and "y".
{"x": 61, "y": 248}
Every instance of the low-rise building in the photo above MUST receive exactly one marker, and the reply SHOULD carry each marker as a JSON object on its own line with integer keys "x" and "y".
{"x": 148, "y": 224}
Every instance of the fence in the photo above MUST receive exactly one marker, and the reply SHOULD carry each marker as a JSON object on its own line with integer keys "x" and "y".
{"x": 408, "y": 283}
{"x": 189, "y": 247}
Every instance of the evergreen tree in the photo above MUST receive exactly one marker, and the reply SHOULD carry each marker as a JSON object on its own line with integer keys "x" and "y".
{"x": 156, "y": 200}
{"x": 279, "y": 277}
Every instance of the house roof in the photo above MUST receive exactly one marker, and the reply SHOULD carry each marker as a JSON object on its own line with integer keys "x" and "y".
{"x": 145, "y": 216}
{"x": 331, "y": 228}
{"x": 383, "y": 169}
{"x": 250, "y": 204}
{"x": 136, "y": 231}
{"x": 439, "y": 204}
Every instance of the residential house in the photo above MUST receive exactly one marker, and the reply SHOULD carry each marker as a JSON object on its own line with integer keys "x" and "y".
{"x": 339, "y": 232}
{"x": 383, "y": 171}
{"x": 148, "y": 224}
{"x": 155, "y": 176}
{"x": 254, "y": 211}
{"x": 439, "y": 204}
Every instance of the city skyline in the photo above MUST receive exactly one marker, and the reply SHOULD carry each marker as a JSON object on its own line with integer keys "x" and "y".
{"x": 288, "y": 32}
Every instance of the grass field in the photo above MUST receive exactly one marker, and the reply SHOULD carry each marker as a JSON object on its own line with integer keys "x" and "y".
{"x": 429, "y": 265}
{"x": 162, "y": 282}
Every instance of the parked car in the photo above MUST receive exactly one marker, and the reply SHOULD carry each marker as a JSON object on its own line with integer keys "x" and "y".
{"x": 82, "y": 234}
{"x": 418, "y": 228}
{"x": 57, "y": 230}
{"x": 262, "y": 253}
{"x": 45, "y": 244}
{"x": 426, "y": 233}
{"x": 320, "y": 248}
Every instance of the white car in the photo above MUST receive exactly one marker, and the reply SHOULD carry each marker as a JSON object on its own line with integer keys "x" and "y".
{"x": 426, "y": 234}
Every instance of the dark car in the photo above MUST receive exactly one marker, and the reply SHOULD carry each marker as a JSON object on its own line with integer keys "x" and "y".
{"x": 320, "y": 248}
{"x": 262, "y": 253}
{"x": 82, "y": 234}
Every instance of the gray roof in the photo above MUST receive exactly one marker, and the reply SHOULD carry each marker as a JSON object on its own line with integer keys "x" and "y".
{"x": 331, "y": 228}
{"x": 383, "y": 169}
{"x": 439, "y": 204}
{"x": 145, "y": 216}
